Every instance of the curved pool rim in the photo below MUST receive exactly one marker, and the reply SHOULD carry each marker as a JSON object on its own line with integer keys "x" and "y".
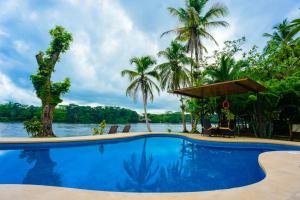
{"x": 264, "y": 158}
{"x": 115, "y": 137}
{"x": 214, "y": 142}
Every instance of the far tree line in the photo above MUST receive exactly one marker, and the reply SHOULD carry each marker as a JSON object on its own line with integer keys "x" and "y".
{"x": 15, "y": 112}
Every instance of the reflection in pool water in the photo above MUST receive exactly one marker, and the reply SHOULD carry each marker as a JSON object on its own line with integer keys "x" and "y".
{"x": 43, "y": 167}
{"x": 145, "y": 164}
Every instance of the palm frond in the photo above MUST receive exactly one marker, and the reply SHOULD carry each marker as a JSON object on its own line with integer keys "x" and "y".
{"x": 131, "y": 74}
{"x": 216, "y": 24}
{"x": 217, "y": 10}
{"x": 132, "y": 89}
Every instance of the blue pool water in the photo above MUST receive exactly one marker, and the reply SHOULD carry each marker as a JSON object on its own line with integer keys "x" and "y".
{"x": 142, "y": 164}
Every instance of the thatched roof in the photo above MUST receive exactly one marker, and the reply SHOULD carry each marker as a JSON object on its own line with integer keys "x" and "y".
{"x": 222, "y": 88}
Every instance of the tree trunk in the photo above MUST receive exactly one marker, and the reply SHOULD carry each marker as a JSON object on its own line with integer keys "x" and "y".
{"x": 184, "y": 129}
{"x": 193, "y": 123}
{"x": 290, "y": 131}
{"x": 260, "y": 119}
{"x": 192, "y": 76}
{"x": 197, "y": 55}
{"x": 145, "y": 112}
{"x": 47, "y": 118}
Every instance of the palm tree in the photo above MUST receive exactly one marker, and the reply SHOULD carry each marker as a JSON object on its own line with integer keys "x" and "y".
{"x": 295, "y": 28}
{"x": 226, "y": 70}
{"x": 281, "y": 34}
{"x": 173, "y": 73}
{"x": 194, "y": 25}
{"x": 143, "y": 79}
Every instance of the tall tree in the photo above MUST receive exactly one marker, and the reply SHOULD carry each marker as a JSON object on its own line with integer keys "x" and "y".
{"x": 142, "y": 78}
{"x": 49, "y": 92}
{"x": 173, "y": 73}
{"x": 194, "y": 25}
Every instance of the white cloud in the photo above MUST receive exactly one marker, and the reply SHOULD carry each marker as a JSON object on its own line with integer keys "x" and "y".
{"x": 21, "y": 46}
{"x": 3, "y": 33}
{"x": 102, "y": 46}
{"x": 294, "y": 13}
{"x": 10, "y": 92}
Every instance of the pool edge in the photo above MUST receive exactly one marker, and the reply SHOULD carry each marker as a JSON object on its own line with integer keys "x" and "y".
{"x": 129, "y": 135}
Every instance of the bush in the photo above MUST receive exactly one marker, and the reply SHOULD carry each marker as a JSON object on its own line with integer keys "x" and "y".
{"x": 100, "y": 130}
{"x": 33, "y": 127}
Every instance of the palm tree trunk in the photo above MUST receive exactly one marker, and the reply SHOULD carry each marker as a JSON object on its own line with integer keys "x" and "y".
{"x": 197, "y": 54}
{"x": 145, "y": 112}
{"x": 192, "y": 78}
{"x": 184, "y": 129}
{"x": 201, "y": 52}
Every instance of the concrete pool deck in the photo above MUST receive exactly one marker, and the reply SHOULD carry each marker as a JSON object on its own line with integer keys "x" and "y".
{"x": 282, "y": 180}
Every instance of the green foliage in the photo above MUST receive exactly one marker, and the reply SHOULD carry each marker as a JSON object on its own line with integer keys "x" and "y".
{"x": 18, "y": 112}
{"x": 69, "y": 114}
{"x": 229, "y": 115}
{"x": 100, "y": 129}
{"x": 143, "y": 78}
{"x": 225, "y": 70}
{"x": 33, "y": 127}
{"x": 49, "y": 92}
{"x": 168, "y": 117}
{"x": 13, "y": 112}
{"x": 61, "y": 40}
{"x": 173, "y": 73}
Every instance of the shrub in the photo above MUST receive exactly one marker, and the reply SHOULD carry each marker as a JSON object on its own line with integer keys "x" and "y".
{"x": 33, "y": 127}
{"x": 100, "y": 130}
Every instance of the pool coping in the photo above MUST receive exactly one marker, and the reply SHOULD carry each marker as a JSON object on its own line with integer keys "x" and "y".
{"x": 25, "y": 140}
{"x": 282, "y": 179}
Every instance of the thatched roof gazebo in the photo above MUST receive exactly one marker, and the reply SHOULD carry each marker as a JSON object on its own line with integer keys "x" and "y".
{"x": 224, "y": 89}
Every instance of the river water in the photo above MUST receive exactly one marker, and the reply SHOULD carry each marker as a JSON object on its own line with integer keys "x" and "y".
{"x": 67, "y": 130}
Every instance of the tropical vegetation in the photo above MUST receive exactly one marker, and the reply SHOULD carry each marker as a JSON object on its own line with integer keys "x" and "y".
{"x": 15, "y": 112}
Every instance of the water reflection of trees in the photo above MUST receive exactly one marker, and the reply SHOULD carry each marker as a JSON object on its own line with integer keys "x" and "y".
{"x": 140, "y": 172}
{"x": 173, "y": 177}
{"x": 145, "y": 177}
{"x": 187, "y": 173}
{"x": 197, "y": 168}
{"x": 42, "y": 172}
{"x": 101, "y": 148}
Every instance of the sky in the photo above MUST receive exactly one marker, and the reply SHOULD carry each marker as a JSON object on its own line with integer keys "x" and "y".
{"x": 107, "y": 33}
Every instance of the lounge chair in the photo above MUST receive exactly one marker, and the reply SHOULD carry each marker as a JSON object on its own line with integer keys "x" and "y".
{"x": 295, "y": 129}
{"x": 207, "y": 129}
{"x": 113, "y": 129}
{"x": 227, "y": 130}
{"x": 126, "y": 128}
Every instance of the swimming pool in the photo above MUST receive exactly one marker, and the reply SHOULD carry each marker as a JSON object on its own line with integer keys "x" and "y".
{"x": 153, "y": 163}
